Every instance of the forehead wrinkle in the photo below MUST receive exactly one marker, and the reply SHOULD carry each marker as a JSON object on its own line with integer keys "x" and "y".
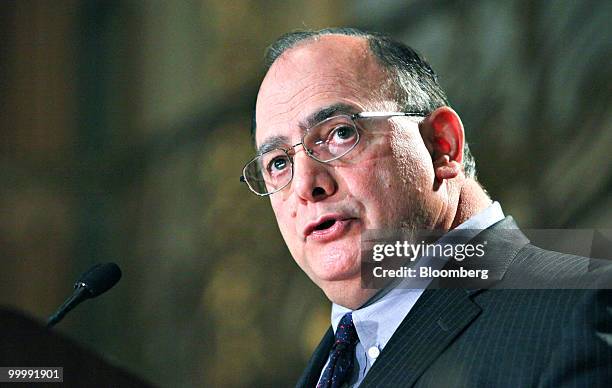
{"x": 284, "y": 107}
{"x": 330, "y": 84}
{"x": 287, "y": 110}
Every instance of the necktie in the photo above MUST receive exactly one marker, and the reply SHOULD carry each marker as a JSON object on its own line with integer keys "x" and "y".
{"x": 340, "y": 363}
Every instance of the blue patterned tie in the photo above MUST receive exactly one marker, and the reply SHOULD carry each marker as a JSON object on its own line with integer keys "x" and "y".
{"x": 340, "y": 364}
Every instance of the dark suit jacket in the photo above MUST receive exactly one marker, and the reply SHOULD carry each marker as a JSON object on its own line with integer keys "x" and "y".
{"x": 502, "y": 337}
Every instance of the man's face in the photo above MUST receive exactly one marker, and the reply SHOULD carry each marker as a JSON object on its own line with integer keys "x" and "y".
{"x": 386, "y": 182}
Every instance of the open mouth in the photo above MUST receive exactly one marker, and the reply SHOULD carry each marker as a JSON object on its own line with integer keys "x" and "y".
{"x": 325, "y": 225}
{"x": 328, "y": 227}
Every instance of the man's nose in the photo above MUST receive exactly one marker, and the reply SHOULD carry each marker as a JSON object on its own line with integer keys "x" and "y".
{"x": 312, "y": 180}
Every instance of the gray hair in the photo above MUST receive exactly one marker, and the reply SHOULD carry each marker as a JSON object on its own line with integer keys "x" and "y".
{"x": 415, "y": 84}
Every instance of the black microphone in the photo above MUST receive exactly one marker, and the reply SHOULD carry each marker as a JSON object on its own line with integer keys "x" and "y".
{"x": 97, "y": 280}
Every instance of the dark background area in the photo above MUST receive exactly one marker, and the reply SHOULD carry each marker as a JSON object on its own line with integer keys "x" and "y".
{"x": 125, "y": 124}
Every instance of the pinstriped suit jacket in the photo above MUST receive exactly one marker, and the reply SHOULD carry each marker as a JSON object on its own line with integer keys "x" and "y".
{"x": 501, "y": 337}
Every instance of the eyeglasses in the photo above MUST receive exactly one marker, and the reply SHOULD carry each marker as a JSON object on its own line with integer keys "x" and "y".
{"x": 331, "y": 139}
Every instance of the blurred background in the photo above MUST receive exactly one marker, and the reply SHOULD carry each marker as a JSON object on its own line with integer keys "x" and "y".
{"x": 125, "y": 124}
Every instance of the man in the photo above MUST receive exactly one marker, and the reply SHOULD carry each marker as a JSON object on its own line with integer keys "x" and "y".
{"x": 354, "y": 134}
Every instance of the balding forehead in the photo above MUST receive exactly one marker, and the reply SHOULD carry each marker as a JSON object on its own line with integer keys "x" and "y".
{"x": 328, "y": 56}
{"x": 319, "y": 72}
{"x": 330, "y": 49}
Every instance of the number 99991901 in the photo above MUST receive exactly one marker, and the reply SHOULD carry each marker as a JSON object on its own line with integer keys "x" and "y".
{"x": 31, "y": 374}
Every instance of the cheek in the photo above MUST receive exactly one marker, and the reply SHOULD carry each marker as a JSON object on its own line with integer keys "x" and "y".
{"x": 413, "y": 161}
{"x": 397, "y": 192}
{"x": 374, "y": 191}
{"x": 399, "y": 159}
{"x": 285, "y": 219}
{"x": 372, "y": 171}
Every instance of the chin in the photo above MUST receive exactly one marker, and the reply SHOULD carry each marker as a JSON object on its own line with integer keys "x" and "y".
{"x": 348, "y": 293}
{"x": 337, "y": 265}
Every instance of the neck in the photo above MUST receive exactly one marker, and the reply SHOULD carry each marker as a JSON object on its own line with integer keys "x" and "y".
{"x": 349, "y": 294}
{"x": 472, "y": 200}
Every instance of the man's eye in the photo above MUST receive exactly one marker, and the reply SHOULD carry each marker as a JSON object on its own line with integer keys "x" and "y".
{"x": 343, "y": 134}
{"x": 278, "y": 164}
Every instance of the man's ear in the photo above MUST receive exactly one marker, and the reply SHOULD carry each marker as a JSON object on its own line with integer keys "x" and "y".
{"x": 442, "y": 132}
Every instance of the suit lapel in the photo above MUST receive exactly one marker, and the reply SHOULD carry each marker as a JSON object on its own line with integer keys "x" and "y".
{"x": 502, "y": 242}
{"x": 440, "y": 315}
{"x": 435, "y": 320}
{"x": 311, "y": 374}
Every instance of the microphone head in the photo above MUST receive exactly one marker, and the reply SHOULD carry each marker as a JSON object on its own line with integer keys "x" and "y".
{"x": 99, "y": 278}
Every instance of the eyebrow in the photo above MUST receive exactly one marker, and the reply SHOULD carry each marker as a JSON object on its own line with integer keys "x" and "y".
{"x": 327, "y": 112}
{"x": 313, "y": 119}
{"x": 273, "y": 142}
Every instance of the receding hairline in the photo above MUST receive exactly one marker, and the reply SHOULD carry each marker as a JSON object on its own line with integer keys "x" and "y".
{"x": 311, "y": 40}
{"x": 317, "y": 38}
{"x": 314, "y": 39}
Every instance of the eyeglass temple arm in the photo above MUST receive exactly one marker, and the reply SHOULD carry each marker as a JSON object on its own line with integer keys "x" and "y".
{"x": 388, "y": 114}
